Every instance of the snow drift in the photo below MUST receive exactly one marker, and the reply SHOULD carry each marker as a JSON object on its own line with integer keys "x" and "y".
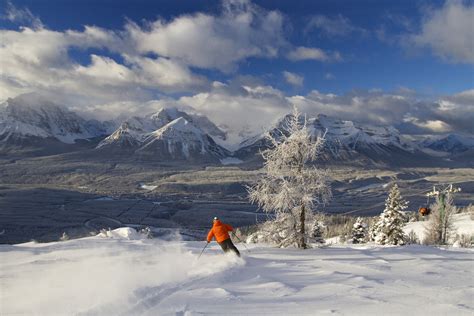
{"x": 110, "y": 274}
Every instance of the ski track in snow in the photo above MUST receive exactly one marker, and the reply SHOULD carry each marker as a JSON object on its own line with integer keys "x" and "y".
{"x": 116, "y": 276}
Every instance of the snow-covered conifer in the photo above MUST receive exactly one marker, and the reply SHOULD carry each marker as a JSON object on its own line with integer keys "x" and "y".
{"x": 290, "y": 186}
{"x": 359, "y": 232}
{"x": 373, "y": 228}
{"x": 316, "y": 232}
{"x": 388, "y": 229}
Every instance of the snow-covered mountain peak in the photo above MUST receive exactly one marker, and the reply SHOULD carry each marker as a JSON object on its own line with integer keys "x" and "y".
{"x": 344, "y": 138}
{"x": 23, "y": 108}
{"x": 164, "y": 116}
{"x": 170, "y": 113}
{"x": 353, "y": 133}
{"x": 180, "y": 129}
{"x": 181, "y": 139}
{"x": 34, "y": 115}
{"x": 167, "y": 134}
{"x": 347, "y": 132}
{"x": 182, "y": 124}
{"x": 453, "y": 143}
{"x": 137, "y": 129}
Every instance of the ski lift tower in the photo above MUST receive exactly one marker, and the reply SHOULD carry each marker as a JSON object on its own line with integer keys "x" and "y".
{"x": 441, "y": 194}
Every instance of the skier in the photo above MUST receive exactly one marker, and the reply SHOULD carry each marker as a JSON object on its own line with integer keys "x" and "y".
{"x": 221, "y": 231}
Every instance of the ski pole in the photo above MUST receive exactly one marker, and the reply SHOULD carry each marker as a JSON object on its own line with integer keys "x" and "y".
{"x": 203, "y": 250}
{"x": 240, "y": 241}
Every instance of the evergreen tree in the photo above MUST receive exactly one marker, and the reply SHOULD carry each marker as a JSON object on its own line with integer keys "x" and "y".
{"x": 373, "y": 227}
{"x": 388, "y": 230}
{"x": 291, "y": 187}
{"x": 316, "y": 232}
{"x": 359, "y": 233}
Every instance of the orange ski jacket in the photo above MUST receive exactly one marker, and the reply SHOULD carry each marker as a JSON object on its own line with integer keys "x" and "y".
{"x": 220, "y": 231}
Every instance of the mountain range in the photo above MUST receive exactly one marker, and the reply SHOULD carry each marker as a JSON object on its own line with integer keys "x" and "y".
{"x": 344, "y": 139}
{"x": 29, "y": 121}
{"x": 167, "y": 134}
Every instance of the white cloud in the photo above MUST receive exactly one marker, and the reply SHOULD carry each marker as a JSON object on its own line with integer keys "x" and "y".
{"x": 21, "y": 15}
{"x": 243, "y": 110}
{"x": 125, "y": 109}
{"x": 433, "y": 126}
{"x": 402, "y": 109}
{"x": 38, "y": 60}
{"x": 438, "y": 126}
{"x": 105, "y": 70}
{"x": 464, "y": 98}
{"x": 293, "y": 78}
{"x": 156, "y": 57}
{"x": 364, "y": 106}
{"x": 333, "y": 26}
{"x": 312, "y": 53}
{"x": 165, "y": 73}
{"x": 251, "y": 107}
{"x": 242, "y": 30}
{"x": 448, "y": 31}
{"x": 458, "y": 110}
{"x": 245, "y": 107}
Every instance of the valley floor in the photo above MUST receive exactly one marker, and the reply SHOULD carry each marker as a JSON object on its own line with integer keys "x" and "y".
{"x": 118, "y": 276}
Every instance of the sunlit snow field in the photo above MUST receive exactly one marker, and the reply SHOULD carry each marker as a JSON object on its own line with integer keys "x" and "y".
{"x": 123, "y": 274}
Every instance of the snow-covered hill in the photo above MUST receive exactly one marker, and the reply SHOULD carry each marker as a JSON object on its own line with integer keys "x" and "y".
{"x": 462, "y": 224}
{"x": 123, "y": 274}
{"x": 32, "y": 116}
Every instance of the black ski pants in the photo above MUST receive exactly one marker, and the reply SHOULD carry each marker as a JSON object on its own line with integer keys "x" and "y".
{"x": 227, "y": 245}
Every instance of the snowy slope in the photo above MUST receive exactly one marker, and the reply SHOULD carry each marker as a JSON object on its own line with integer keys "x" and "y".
{"x": 126, "y": 275}
{"x": 31, "y": 115}
{"x": 462, "y": 224}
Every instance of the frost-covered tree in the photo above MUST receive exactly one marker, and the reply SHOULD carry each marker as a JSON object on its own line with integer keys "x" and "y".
{"x": 279, "y": 231}
{"x": 359, "y": 232}
{"x": 440, "y": 225}
{"x": 373, "y": 230}
{"x": 412, "y": 238}
{"x": 291, "y": 187}
{"x": 147, "y": 232}
{"x": 388, "y": 230}
{"x": 316, "y": 232}
{"x": 64, "y": 237}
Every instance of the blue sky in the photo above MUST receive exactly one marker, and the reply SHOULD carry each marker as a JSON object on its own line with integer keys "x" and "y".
{"x": 367, "y": 62}
{"x": 182, "y": 51}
